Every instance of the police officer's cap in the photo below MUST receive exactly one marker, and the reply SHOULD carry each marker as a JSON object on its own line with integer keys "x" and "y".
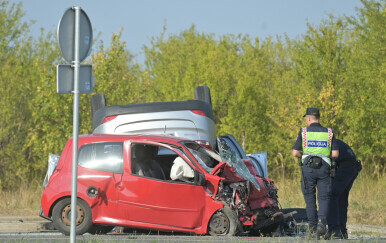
{"x": 312, "y": 112}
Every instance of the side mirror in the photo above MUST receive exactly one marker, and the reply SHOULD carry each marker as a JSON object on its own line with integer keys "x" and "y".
{"x": 199, "y": 179}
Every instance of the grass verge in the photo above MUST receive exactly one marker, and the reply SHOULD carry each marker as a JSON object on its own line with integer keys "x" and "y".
{"x": 366, "y": 201}
{"x": 24, "y": 201}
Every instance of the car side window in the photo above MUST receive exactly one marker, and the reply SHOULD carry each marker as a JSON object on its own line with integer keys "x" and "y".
{"x": 157, "y": 162}
{"x": 102, "y": 156}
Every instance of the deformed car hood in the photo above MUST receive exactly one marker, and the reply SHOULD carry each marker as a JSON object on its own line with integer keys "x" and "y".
{"x": 226, "y": 172}
{"x": 239, "y": 192}
{"x": 237, "y": 164}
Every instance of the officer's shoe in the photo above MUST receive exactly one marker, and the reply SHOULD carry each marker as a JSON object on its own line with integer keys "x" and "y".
{"x": 333, "y": 235}
{"x": 344, "y": 234}
{"x": 321, "y": 227}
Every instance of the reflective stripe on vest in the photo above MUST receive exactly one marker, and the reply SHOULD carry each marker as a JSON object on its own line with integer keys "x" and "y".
{"x": 317, "y": 144}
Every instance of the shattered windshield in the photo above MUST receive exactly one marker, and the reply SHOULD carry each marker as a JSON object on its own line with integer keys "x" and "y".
{"x": 200, "y": 160}
{"x": 207, "y": 158}
{"x": 229, "y": 156}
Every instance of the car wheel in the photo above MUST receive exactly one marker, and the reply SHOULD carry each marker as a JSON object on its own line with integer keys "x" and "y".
{"x": 275, "y": 230}
{"x": 223, "y": 222}
{"x": 61, "y": 216}
{"x": 203, "y": 93}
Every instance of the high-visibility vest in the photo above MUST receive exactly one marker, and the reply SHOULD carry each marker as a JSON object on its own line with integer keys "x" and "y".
{"x": 317, "y": 144}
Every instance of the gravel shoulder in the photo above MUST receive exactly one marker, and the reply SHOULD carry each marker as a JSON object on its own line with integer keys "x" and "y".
{"x": 36, "y": 224}
{"x": 369, "y": 230}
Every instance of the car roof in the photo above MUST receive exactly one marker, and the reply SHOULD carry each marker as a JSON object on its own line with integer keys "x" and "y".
{"x": 87, "y": 138}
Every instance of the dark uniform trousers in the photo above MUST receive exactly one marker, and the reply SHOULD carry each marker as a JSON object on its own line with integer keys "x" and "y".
{"x": 341, "y": 185}
{"x": 320, "y": 179}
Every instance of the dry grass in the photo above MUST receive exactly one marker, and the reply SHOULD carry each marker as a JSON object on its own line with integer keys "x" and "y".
{"x": 367, "y": 201}
{"x": 290, "y": 192}
{"x": 25, "y": 201}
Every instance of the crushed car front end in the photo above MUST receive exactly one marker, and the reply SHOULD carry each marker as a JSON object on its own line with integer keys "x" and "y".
{"x": 257, "y": 208}
{"x": 250, "y": 196}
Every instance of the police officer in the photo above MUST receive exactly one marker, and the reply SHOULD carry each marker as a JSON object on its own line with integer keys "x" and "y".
{"x": 347, "y": 170}
{"x": 315, "y": 145}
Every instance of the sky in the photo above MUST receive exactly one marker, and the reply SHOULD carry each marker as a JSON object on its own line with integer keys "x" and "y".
{"x": 141, "y": 20}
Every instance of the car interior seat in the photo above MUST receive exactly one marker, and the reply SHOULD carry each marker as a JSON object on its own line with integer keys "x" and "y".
{"x": 144, "y": 163}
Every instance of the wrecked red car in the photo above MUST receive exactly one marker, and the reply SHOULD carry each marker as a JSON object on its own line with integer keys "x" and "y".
{"x": 161, "y": 183}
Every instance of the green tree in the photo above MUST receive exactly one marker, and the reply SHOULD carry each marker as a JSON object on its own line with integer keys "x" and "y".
{"x": 260, "y": 87}
{"x": 15, "y": 48}
{"x": 50, "y": 121}
{"x": 182, "y": 62}
{"x": 364, "y": 96}
{"x": 52, "y": 114}
{"x": 118, "y": 76}
{"x": 320, "y": 67}
{"x": 248, "y": 107}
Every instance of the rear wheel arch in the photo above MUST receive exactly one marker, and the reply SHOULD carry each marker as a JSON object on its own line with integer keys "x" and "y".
{"x": 56, "y": 201}
{"x": 61, "y": 215}
{"x": 67, "y": 194}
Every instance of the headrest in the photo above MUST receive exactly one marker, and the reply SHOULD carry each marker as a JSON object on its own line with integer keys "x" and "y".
{"x": 143, "y": 152}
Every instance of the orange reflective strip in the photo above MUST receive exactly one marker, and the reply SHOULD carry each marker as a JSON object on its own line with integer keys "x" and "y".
{"x": 304, "y": 132}
{"x": 329, "y": 137}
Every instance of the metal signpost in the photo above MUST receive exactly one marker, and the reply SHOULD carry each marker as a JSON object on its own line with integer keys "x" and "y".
{"x": 75, "y": 40}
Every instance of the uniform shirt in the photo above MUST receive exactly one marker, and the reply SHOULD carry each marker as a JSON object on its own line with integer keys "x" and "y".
{"x": 345, "y": 152}
{"x": 314, "y": 127}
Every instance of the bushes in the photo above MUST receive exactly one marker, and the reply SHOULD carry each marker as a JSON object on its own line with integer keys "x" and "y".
{"x": 260, "y": 87}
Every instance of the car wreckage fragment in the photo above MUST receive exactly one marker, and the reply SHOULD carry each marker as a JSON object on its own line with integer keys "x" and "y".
{"x": 252, "y": 197}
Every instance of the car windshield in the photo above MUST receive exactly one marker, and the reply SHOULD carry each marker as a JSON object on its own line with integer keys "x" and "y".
{"x": 229, "y": 156}
{"x": 207, "y": 158}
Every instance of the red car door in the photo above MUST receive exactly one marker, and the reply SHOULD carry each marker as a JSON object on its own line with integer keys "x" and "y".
{"x": 99, "y": 172}
{"x": 161, "y": 201}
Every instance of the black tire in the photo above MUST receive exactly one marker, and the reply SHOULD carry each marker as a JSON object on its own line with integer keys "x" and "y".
{"x": 97, "y": 101}
{"x": 203, "y": 93}
{"x": 275, "y": 230}
{"x": 224, "y": 222}
{"x": 61, "y": 216}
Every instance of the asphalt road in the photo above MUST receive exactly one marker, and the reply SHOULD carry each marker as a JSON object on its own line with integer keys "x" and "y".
{"x": 34, "y": 229}
{"x": 58, "y": 237}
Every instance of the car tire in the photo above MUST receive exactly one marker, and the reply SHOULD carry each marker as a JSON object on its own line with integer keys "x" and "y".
{"x": 275, "y": 230}
{"x": 61, "y": 216}
{"x": 224, "y": 222}
{"x": 97, "y": 101}
{"x": 203, "y": 93}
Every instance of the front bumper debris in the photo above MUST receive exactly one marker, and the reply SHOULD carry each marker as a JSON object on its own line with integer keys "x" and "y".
{"x": 41, "y": 214}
